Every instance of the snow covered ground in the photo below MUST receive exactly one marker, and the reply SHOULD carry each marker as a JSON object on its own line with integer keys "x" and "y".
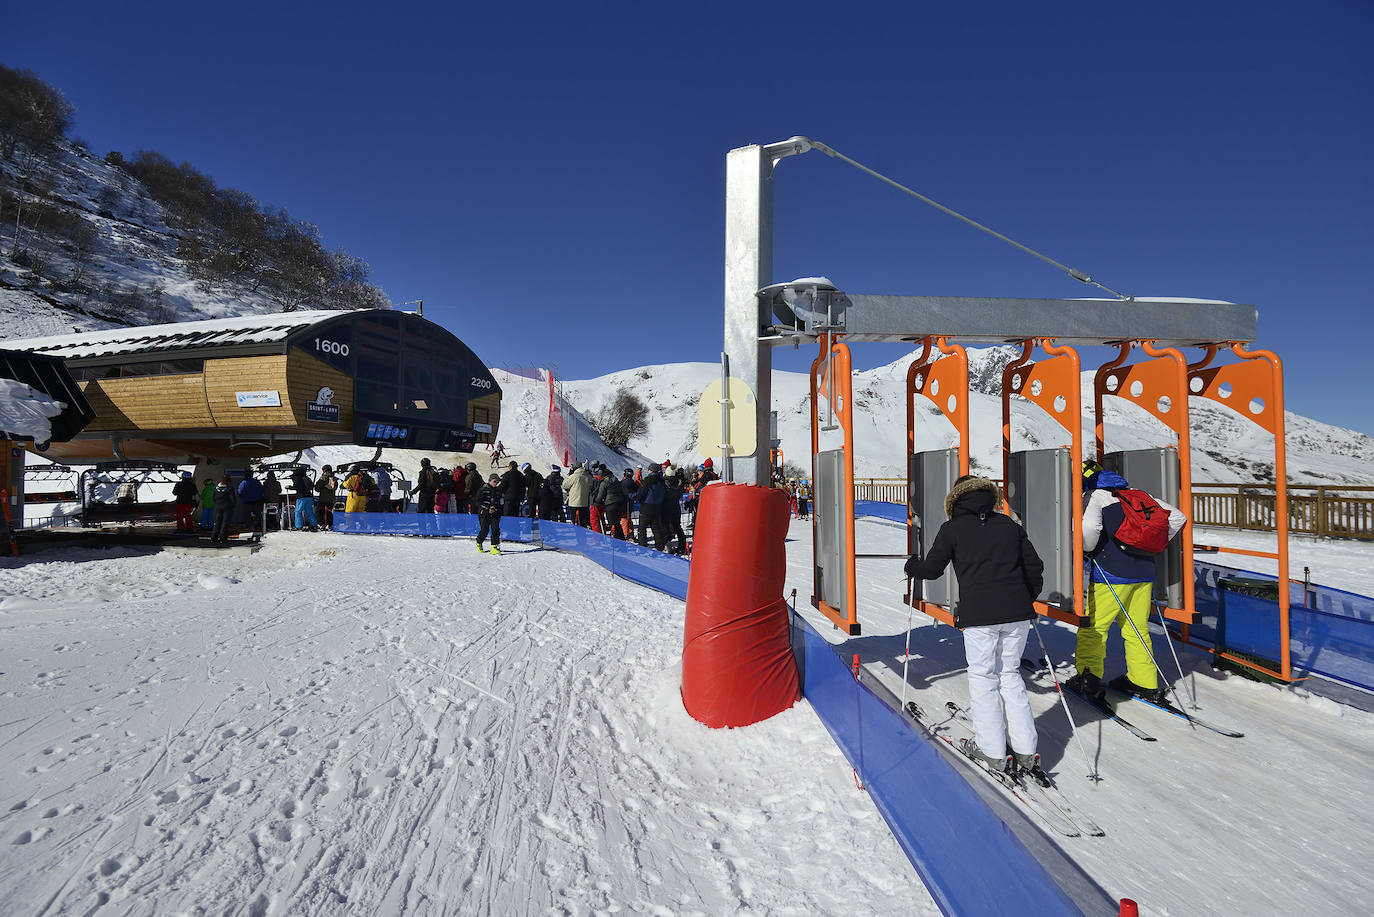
{"x": 372, "y": 726}
{"x": 1196, "y": 823}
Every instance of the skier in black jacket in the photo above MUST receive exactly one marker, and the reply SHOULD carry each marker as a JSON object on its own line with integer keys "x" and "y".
{"x": 489, "y": 503}
{"x": 651, "y": 495}
{"x": 534, "y": 483}
{"x": 610, "y": 494}
{"x": 426, "y": 485}
{"x": 513, "y": 487}
{"x": 999, "y": 577}
{"x": 551, "y": 497}
{"x": 676, "y": 483}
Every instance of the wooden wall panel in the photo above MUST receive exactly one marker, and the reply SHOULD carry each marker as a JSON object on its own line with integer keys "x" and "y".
{"x": 225, "y": 377}
{"x": 492, "y": 403}
{"x": 148, "y": 403}
{"x": 306, "y": 374}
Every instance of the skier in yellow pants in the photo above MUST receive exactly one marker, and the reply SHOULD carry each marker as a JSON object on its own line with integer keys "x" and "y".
{"x": 1121, "y": 583}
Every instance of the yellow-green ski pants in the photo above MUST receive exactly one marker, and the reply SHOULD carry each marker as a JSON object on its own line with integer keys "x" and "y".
{"x": 1103, "y": 611}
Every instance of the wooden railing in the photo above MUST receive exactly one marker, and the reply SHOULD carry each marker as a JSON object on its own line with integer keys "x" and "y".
{"x": 1329, "y": 511}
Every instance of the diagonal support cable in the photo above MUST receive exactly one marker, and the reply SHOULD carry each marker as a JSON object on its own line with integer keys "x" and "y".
{"x": 801, "y": 144}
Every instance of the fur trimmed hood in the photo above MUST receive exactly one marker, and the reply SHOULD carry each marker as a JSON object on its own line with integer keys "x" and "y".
{"x": 970, "y": 486}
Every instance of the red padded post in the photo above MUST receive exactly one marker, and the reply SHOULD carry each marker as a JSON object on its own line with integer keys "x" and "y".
{"x": 737, "y": 663}
{"x": 1128, "y": 909}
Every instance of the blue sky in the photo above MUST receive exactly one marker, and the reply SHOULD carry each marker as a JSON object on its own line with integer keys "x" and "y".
{"x": 549, "y": 178}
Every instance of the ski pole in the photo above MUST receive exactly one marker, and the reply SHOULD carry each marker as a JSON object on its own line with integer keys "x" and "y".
{"x": 1169, "y": 639}
{"x": 1143, "y": 644}
{"x": 1073, "y": 727}
{"x": 906, "y": 658}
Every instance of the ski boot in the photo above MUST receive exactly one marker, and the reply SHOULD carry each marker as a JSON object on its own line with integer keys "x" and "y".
{"x": 1088, "y": 685}
{"x": 1126, "y": 686}
{"x": 1029, "y": 766}
{"x": 480, "y": 549}
{"x": 495, "y": 549}
{"x": 970, "y": 748}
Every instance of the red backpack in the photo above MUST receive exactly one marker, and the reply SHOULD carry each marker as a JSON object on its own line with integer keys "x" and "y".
{"x": 1145, "y": 526}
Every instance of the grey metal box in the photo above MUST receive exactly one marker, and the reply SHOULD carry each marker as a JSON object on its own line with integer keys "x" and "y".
{"x": 1155, "y": 471}
{"x": 832, "y": 548}
{"x": 1039, "y": 483}
{"x": 930, "y": 477}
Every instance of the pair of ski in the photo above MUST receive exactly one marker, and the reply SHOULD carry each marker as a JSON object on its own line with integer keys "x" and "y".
{"x": 1046, "y": 802}
{"x": 1100, "y": 704}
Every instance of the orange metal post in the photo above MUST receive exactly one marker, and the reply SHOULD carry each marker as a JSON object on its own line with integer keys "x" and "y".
{"x": 1053, "y": 386}
{"x": 835, "y": 381}
{"x": 1159, "y": 387}
{"x": 1253, "y": 388}
{"x": 945, "y": 384}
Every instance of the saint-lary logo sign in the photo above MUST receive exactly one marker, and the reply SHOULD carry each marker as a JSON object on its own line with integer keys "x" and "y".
{"x": 322, "y": 409}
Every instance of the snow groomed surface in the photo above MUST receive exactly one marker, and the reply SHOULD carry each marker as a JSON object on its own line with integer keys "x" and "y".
{"x": 946, "y": 830}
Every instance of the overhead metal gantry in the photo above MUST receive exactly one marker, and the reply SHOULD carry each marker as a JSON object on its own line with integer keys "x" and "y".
{"x": 760, "y": 315}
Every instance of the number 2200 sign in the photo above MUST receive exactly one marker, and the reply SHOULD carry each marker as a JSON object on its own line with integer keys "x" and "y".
{"x": 481, "y": 383}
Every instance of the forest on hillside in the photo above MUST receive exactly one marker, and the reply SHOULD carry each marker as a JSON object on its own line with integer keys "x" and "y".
{"x": 60, "y": 208}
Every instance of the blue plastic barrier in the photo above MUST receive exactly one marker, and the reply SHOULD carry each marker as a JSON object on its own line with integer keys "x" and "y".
{"x": 646, "y": 566}
{"x": 896, "y": 512}
{"x": 967, "y": 856}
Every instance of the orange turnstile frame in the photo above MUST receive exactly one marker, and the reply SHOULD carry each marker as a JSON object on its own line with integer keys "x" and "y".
{"x": 831, "y": 378}
{"x": 1158, "y": 386}
{"x": 1052, "y": 385}
{"x": 1253, "y": 388}
{"x": 945, "y": 384}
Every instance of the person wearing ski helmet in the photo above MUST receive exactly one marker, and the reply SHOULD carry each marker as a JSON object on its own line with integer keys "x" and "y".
{"x": 1119, "y": 591}
{"x": 999, "y": 575}
{"x": 534, "y": 483}
{"x": 578, "y": 487}
{"x": 513, "y": 487}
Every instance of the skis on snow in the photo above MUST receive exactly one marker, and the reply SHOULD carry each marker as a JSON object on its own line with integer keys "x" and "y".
{"x": 1046, "y": 790}
{"x": 1101, "y": 706}
{"x": 1166, "y": 706}
{"x": 1023, "y": 791}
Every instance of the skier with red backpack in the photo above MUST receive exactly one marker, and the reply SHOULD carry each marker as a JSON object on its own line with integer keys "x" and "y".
{"x": 1123, "y": 530}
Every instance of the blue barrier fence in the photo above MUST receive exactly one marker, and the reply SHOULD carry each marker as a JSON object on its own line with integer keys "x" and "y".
{"x": 655, "y": 569}
{"x": 948, "y": 832}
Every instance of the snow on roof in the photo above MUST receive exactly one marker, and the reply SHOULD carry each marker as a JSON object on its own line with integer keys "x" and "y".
{"x": 240, "y": 329}
{"x": 26, "y": 412}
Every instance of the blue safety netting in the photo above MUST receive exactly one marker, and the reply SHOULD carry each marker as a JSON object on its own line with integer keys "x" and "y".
{"x": 646, "y": 566}
{"x": 947, "y": 831}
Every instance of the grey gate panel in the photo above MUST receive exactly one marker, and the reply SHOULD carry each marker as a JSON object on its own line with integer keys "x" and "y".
{"x": 930, "y": 477}
{"x": 832, "y": 548}
{"x": 1155, "y": 471}
{"x": 1039, "y": 483}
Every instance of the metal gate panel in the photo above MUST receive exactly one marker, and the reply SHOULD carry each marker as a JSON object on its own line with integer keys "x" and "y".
{"x": 1156, "y": 472}
{"x": 1038, "y": 490}
{"x": 832, "y": 548}
{"x": 931, "y": 475}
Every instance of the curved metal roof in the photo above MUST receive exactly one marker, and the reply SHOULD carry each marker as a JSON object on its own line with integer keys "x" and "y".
{"x": 218, "y": 332}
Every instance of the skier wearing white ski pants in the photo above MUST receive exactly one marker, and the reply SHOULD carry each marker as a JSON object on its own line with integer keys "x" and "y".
{"x": 999, "y": 577}
{"x": 996, "y": 690}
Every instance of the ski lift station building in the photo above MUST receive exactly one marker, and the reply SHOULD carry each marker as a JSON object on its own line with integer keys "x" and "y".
{"x": 258, "y": 385}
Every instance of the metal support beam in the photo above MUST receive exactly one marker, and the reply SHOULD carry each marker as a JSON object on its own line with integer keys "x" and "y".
{"x": 748, "y": 269}
{"x": 801, "y": 308}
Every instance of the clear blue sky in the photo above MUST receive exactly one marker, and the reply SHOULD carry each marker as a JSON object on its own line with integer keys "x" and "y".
{"x": 549, "y": 178}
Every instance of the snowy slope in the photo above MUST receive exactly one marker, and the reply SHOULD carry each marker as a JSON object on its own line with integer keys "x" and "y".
{"x": 377, "y": 726}
{"x": 1225, "y": 448}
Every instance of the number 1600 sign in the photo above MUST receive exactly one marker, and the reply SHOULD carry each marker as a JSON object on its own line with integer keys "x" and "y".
{"x": 334, "y": 347}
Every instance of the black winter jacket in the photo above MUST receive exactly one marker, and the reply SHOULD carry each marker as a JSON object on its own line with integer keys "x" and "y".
{"x": 609, "y": 491}
{"x": 533, "y": 481}
{"x": 185, "y": 491}
{"x": 513, "y": 486}
{"x": 998, "y": 571}
{"x": 489, "y": 500}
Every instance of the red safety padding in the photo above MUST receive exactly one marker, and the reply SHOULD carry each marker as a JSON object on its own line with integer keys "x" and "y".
{"x": 737, "y": 663}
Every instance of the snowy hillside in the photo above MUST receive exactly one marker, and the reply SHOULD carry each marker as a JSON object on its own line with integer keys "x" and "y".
{"x": 116, "y": 263}
{"x": 1225, "y": 447}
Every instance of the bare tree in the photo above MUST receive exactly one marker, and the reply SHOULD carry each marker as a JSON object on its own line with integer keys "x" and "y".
{"x": 625, "y": 417}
